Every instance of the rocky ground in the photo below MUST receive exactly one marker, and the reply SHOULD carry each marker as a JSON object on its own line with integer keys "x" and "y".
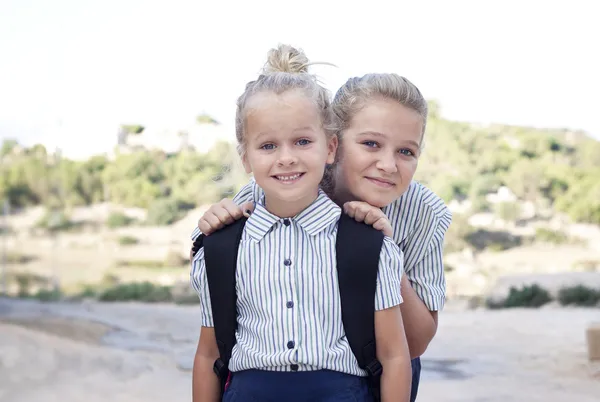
{"x": 134, "y": 352}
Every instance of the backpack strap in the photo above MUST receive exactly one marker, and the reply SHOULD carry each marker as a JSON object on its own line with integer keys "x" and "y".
{"x": 358, "y": 247}
{"x": 220, "y": 255}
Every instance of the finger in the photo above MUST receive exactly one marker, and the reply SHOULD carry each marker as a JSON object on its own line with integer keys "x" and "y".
{"x": 212, "y": 221}
{"x": 349, "y": 209}
{"x": 223, "y": 215}
{"x": 233, "y": 209}
{"x": 247, "y": 208}
{"x": 360, "y": 214}
{"x": 205, "y": 227}
{"x": 373, "y": 215}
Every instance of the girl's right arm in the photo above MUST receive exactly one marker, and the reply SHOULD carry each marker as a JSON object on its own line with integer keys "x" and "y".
{"x": 205, "y": 384}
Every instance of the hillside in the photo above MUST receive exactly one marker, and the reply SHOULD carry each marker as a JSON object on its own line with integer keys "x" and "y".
{"x": 524, "y": 200}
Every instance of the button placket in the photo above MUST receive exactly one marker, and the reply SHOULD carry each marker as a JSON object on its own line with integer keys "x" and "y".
{"x": 289, "y": 250}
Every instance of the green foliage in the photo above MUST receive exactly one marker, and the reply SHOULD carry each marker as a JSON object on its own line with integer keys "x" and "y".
{"x": 205, "y": 119}
{"x": 579, "y": 295}
{"x": 132, "y": 128}
{"x": 508, "y": 211}
{"x": 167, "y": 211}
{"x": 127, "y": 240}
{"x": 142, "y": 291}
{"x": 460, "y": 161}
{"x": 117, "y": 220}
{"x": 19, "y": 258}
{"x": 547, "y": 167}
{"x": 550, "y": 236}
{"x": 138, "y": 179}
{"x": 47, "y": 295}
{"x": 532, "y": 296}
{"x": 55, "y": 221}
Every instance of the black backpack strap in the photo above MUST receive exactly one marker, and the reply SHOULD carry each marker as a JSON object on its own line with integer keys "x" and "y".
{"x": 358, "y": 247}
{"x": 220, "y": 255}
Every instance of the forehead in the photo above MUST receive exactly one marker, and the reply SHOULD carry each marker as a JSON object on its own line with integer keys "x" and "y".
{"x": 390, "y": 118}
{"x": 291, "y": 110}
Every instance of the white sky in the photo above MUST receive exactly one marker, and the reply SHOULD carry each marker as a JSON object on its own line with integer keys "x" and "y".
{"x": 92, "y": 65}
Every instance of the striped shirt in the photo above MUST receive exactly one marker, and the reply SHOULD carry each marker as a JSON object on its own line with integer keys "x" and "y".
{"x": 419, "y": 219}
{"x": 289, "y": 309}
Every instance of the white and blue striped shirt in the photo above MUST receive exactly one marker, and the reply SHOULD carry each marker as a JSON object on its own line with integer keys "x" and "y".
{"x": 420, "y": 220}
{"x": 289, "y": 310}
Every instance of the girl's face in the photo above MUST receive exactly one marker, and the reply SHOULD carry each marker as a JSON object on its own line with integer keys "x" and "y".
{"x": 286, "y": 150}
{"x": 379, "y": 153}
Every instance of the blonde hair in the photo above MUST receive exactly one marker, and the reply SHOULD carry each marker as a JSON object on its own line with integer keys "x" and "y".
{"x": 286, "y": 69}
{"x": 357, "y": 91}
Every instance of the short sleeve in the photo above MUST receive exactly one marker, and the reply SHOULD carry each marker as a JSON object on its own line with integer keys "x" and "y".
{"x": 387, "y": 293}
{"x": 199, "y": 283}
{"x": 424, "y": 260}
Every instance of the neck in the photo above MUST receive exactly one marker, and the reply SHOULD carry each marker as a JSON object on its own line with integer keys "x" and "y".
{"x": 340, "y": 197}
{"x": 287, "y": 209}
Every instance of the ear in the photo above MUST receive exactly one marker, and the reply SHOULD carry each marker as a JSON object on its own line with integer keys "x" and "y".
{"x": 332, "y": 149}
{"x": 246, "y": 164}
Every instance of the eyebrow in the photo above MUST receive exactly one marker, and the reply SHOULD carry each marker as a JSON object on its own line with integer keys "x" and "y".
{"x": 378, "y": 134}
{"x": 306, "y": 128}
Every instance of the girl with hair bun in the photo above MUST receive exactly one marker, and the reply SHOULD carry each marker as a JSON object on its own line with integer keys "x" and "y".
{"x": 290, "y": 343}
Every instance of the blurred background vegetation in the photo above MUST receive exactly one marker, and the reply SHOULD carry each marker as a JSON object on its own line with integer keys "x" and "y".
{"x": 557, "y": 170}
{"x": 552, "y": 172}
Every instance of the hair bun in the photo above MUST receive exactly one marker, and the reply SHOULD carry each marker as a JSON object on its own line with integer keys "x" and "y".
{"x": 286, "y": 59}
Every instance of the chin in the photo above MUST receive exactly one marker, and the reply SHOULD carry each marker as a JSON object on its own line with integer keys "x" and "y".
{"x": 378, "y": 201}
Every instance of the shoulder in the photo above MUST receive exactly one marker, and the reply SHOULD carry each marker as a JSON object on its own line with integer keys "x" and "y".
{"x": 418, "y": 206}
{"x": 390, "y": 250}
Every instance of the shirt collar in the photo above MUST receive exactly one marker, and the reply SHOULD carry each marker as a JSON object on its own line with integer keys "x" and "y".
{"x": 320, "y": 214}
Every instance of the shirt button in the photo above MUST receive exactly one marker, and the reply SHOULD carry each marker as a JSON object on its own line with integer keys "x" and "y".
{"x": 286, "y": 222}
{"x": 287, "y": 262}
{"x": 289, "y": 304}
{"x": 294, "y": 367}
{"x": 291, "y": 344}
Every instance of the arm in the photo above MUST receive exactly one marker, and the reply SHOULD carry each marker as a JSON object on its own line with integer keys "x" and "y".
{"x": 392, "y": 353}
{"x": 420, "y": 323}
{"x": 205, "y": 384}
{"x": 392, "y": 347}
{"x": 426, "y": 290}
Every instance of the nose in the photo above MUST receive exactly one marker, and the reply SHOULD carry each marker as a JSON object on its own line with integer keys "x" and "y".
{"x": 286, "y": 157}
{"x": 387, "y": 163}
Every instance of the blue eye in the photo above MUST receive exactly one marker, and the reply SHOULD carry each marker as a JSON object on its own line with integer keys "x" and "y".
{"x": 268, "y": 147}
{"x": 370, "y": 144}
{"x": 303, "y": 141}
{"x": 407, "y": 152}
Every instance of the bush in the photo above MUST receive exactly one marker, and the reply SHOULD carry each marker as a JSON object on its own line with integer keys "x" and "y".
{"x": 550, "y": 236}
{"x": 18, "y": 258}
{"x": 579, "y": 295}
{"x": 55, "y": 221}
{"x": 527, "y": 296}
{"x": 47, "y": 295}
{"x": 117, "y": 220}
{"x": 143, "y": 291}
{"x": 127, "y": 240}
{"x": 167, "y": 211}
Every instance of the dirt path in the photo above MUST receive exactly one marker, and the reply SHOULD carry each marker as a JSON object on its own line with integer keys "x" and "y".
{"x": 134, "y": 352}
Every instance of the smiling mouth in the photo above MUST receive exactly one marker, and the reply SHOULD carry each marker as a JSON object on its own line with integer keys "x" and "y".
{"x": 288, "y": 178}
{"x": 381, "y": 182}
